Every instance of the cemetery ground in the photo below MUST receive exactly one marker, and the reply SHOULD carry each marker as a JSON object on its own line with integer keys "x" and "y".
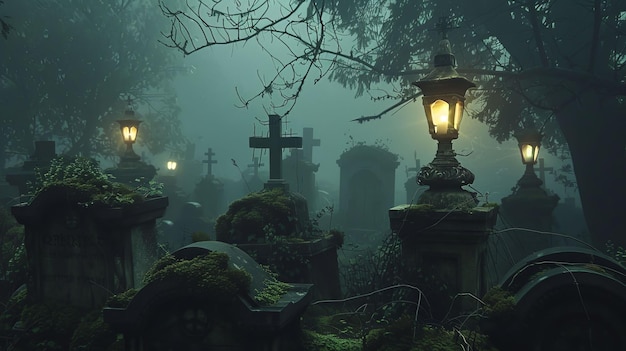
{"x": 83, "y": 269}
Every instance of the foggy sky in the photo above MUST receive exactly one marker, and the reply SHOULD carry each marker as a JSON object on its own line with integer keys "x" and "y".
{"x": 210, "y": 119}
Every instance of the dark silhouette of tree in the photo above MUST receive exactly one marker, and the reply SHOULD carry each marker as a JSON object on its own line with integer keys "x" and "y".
{"x": 68, "y": 67}
{"x": 557, "y": 65}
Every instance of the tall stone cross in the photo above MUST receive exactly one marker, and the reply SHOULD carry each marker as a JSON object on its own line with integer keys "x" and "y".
{"x": 209, "y": 161}
{"x": 542, "y": 171}
{"x": 255, "y": 165}
{"x": 276, "y": 143}
{"x": 308, "y": 142}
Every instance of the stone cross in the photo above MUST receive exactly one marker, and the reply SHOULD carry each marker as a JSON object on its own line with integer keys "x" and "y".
{"x": 417, "y": 165}
{"x": 209, "y": 161}
{"x": 255, "y": 165}
{"x": 276, "y": 143}
{"x": 542, "y": 171}
{"x": 308, "y": 142}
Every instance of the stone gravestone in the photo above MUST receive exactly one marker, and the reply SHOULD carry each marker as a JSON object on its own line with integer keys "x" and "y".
{"x": 264, "y": 223}
{"x": 79, "y": 256}
{"x": 299, "y": 169}
{"x": 209, "y": 191}
{"x": 189, "y": 169}
{"x": 253, "y": 180}
{"x": 367, "y": 186}
{"x": 566, "y": 298}
{"x": 300, "y": 175}
{"x": 180, "y": 314}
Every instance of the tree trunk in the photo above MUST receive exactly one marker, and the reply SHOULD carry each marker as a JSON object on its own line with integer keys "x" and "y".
{"x": 594, "y": 130}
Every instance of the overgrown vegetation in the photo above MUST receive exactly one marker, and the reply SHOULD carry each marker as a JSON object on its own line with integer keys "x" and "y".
{"x": 273, "y": 289}
{"x": 209, "y": 272}
{"x": 82, "y": 181}
{"x": 246, "y": 218}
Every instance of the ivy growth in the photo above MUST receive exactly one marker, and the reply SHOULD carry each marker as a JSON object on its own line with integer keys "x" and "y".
{"x": 82, "y": 180}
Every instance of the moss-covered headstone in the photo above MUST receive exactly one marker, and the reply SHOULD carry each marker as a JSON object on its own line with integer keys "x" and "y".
{"x": 86, "y": 237}
{"x": 273, "y": 226}
{"x": 211, "y": 295}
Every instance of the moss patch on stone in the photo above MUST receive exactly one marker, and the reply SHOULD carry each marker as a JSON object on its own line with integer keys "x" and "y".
{"x": 210, "y": 273}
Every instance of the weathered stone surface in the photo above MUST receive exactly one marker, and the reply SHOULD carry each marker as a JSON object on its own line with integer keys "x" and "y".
{"x": 79, "y": 255}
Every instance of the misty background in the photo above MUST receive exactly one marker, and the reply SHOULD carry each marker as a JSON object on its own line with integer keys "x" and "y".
{"x": 212, "y": 117}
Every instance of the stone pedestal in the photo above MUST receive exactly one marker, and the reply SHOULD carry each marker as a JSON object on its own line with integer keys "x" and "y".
{"x": 81, "y": 255}
{"x": 530, "y": 208}
{"x": 451, "y": 244}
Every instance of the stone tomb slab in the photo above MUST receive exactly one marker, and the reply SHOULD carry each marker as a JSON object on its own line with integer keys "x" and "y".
{"x": 166, "y": 313}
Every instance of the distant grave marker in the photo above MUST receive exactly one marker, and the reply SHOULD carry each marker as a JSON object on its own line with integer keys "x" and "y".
{"x": 255, "y": 165}
{"x": 542, "y": 171}
{"x": 209, "y": 161}
{"x": 308, "y": 142}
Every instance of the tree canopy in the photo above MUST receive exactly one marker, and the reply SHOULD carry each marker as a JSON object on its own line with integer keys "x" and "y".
{"x": 555, "y": 65}
{"x": 67, "y": 68}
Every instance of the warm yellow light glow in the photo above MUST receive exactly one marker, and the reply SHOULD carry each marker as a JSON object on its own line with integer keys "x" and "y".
{"x": 458, "y": 115}
{"x": 129, "y": 133}
{"x": 529, "y": 153}
{"x": 439, "y": 111}
{"x": 171, "y": 165}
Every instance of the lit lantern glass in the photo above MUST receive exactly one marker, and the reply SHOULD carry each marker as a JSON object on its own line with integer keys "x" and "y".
{"x": 129, "y": 133}
{"x": 439, "y": 110}
{"x": 171, "y": 165}
{"x": 529, "y": 142}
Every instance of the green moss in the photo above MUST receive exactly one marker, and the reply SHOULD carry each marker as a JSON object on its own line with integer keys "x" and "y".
{"x": 83, "y": 182}
{"x": 210, "y": 273}
{"x": 273, "y": 290}
{"x": 48, "y": 326}
{"x": 121, "y": 300}
{"x": 314, "y": 341}
{"x": 247, "y": 217}
{"x": 499, "y": 304}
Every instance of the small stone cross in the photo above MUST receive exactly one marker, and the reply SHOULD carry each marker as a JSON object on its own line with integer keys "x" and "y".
{"x": 276, "y": 143}
{"x": 209, "y": 161}
{"x": 542, "y": 171}
{"x": 255, "y": 165}
{"x": 308, "y": 142}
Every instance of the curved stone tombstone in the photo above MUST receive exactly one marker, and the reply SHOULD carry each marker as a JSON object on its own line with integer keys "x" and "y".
{"x": 568, "y": 298}
{"x": 167, "y": 315}
{"x": 367, "y": 186}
